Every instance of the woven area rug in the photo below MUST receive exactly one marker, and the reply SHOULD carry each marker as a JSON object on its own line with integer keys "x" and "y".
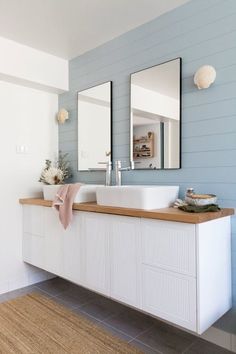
{"x": 34, "y": 324}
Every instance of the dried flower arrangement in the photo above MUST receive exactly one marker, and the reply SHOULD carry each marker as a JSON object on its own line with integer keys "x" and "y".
{"x": 57, "y": 173}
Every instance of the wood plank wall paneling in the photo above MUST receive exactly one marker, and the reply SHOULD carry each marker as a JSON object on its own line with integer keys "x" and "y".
{"x": 201, "y": 32}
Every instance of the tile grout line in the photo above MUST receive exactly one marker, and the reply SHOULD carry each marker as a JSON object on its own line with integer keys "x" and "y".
{"x": 148, "y": 346}
{"x": 87, "y": 314}
{"x": 147, "y": 329}
{"x": 117, "y": 330}
{"x": 111, "y": 316}
{"x": 195, "y": 341}
{"x": 98, "y": 319}
{"x": 76, "y": 306}
{"x": 44, "y": 291}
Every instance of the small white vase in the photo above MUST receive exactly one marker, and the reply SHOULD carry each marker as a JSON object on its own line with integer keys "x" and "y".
{"x": 50, "y": 191}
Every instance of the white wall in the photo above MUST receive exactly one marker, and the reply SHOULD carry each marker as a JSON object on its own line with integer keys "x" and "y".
{"x": 27, "y": 118}
{"x": 93, "y": 145}
{"x": 171, "y": 144}
{"x": 153, "y": 102}
{"x": 21, "y": 64}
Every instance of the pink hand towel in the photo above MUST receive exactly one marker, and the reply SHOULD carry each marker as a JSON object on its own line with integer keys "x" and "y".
{"x": 64, "y": 200}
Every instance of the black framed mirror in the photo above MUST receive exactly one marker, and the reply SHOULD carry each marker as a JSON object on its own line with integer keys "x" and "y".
{"x": 155, "y": 116}
{"x": 94, "y": 126}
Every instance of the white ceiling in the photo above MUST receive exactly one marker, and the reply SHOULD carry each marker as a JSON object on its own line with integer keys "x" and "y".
{"x": 67, "y": 28}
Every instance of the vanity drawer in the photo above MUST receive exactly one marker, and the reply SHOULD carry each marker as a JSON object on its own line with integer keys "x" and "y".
{"x": 170, "y": 296}
{"x": 34, "y": 219}
{"x": 169, "y": 245}
{"x": 33, "y": 250}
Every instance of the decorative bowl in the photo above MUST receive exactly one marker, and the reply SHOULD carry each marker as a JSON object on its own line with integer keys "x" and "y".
{"x": 201, "y": 199}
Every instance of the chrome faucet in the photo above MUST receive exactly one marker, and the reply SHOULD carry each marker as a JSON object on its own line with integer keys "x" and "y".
{"x": 108, "y": 172}
{"x": 118, "y": 170}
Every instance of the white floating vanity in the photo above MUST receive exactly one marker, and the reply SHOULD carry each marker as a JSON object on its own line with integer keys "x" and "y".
{"x": 173, "y": 265}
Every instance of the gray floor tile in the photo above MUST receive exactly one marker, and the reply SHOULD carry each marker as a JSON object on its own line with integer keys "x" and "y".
{"x": 145, "y": 349}
{"x": 86, "y": 316}
{"x": 166, "y": 339}
{"x": 227, "y": 322}
{"x": 76, "y": 297}
{"x": 55, "y": 286}
{"x": 102, "y": 308}
{"x": 203, "y": 347}
{"x": 68, "y": 304}
{"x": 130, "y": 322}
{"x": 115, "y": 332}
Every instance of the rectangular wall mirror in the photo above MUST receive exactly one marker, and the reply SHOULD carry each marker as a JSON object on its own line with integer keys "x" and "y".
{"x": 156, "y": 117}
{"x": 94, "y": 126}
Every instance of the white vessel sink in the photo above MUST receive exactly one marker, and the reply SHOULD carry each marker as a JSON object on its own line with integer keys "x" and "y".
{"x": 86, "y": 193}
{"x": 137, "y": 197}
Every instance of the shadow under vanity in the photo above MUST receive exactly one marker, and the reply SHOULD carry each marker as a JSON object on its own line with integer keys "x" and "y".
{"x": 170, "y": 264}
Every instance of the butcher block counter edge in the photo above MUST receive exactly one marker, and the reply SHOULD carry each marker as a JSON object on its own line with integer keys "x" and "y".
{"x": 168, "y": 214}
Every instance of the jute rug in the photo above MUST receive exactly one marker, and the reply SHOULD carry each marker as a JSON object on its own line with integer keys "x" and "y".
{"x": 33, "y": 324}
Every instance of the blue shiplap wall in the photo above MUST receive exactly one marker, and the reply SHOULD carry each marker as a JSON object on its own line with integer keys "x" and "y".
{"x": 201, "y": 32}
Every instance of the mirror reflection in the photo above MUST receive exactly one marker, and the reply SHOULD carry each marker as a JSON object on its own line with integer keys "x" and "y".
{"x": 155, "y": 116}
{"x": 94, "y": 126}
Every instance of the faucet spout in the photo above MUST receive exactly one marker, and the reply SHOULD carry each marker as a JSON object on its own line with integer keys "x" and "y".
{"x": 108, "y": 173}
{"x": 118, "y": 170}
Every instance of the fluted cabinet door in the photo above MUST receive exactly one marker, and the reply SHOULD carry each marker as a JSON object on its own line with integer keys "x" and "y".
{"x": 95, "y": 255}
{"x": 170, "y": 296}
{"x": 169, "y": 245}
{"x": 53, "y": 242}
{"x": 33, "y": 242}
{"x": 73, "y": 250}
{"x": 125, "y": 259}
{"x": 169, "y": 271}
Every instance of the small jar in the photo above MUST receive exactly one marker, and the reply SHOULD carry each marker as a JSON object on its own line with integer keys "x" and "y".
{"x": 189, "y": 192}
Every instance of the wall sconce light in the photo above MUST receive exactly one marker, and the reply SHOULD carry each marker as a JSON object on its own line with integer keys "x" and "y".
{"x": 204, "y": 76}
{"x": 62, "y": 115}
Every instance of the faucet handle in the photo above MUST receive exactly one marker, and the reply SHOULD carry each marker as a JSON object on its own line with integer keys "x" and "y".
{"x": 105, "y": 163}
{"x": 130, "y": 163}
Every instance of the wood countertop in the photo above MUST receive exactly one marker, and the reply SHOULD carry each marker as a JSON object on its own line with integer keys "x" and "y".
{"x": 168, "y": 214}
